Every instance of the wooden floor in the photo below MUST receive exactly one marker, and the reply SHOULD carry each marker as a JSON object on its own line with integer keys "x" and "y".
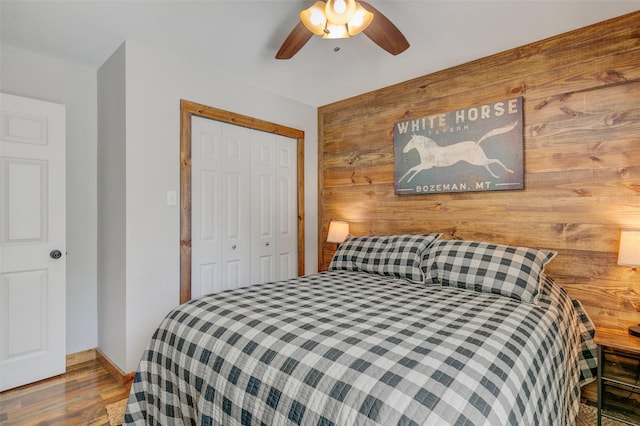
{"x": 78, "y": 397}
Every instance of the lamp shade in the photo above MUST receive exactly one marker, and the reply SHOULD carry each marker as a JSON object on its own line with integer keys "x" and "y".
{"x": 360, "y": 20}
{"x": 313, "y": 18}
{"x": 339, "y": 12}
{"x": 338, "y": 231}
{"x": 336, "y": 31}
{"x": 629, "y": 252}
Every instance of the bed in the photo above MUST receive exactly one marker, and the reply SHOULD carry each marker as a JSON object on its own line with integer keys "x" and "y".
{"x": 402, "y": 330}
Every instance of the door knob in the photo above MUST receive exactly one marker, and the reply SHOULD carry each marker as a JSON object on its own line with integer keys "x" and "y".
{"x": 55, "y": 254}
{"x": 267, "y": 244}
{"x": 233, "y": 247}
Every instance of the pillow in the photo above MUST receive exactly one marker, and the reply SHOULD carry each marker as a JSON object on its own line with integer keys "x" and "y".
{"x": 391, "y": 255}
{"x": 515, "y": 272}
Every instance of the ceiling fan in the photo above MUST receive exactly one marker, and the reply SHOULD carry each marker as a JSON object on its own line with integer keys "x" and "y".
{"x": 342, "y": 19}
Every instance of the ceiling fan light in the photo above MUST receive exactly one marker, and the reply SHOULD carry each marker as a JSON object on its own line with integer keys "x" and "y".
{"x": 340, "y": 11}
{"x": 314, "y": 19}
{"x": 360, "y": 20}
{"x": 336, "y": 31}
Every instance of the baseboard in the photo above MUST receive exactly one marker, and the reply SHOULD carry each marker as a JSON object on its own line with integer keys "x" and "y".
{"x": 122, "y": 377}
{"x": 107, "y": 364}
{"x": 80, "y": 357}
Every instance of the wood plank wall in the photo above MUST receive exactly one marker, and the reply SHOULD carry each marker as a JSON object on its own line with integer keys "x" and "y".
{"x": 581, "y": 94}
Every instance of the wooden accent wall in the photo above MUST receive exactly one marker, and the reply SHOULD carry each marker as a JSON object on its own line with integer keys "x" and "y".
{"x": 581, "y": 95}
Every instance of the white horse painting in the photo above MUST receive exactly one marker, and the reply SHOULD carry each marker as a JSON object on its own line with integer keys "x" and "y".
{"x": 433, "y": 155}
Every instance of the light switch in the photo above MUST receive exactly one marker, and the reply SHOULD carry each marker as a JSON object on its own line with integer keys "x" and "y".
{"x": 171, "y": 198}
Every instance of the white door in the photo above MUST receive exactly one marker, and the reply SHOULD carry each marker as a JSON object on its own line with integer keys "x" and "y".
{"x": 274, "y": 209}
{"x": 244, "y": 206}
{"x": 287, "y": 214}
{"x": 235, "y": 204}
{"x": 32, "y": 237}
{"x": 263, "y": 208}
{"x": 221, "y": 196}
{"x": 206, "y": 222}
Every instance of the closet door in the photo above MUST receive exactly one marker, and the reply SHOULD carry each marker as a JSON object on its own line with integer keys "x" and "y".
{"x": 274, "y": 239}
{"x": 244, "y": 207}
{"x": 236, "y": 206}
{"x": 264, "y": 202}
{"x": 221, "y": 199}
{"x": 287, "y": 202}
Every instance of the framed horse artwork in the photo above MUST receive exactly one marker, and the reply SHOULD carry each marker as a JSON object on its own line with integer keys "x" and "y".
{"x": 472, "y": 149}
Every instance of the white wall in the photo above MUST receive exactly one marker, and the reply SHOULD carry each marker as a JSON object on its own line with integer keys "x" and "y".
{"x": 41, "y": 77}
{"x": 155, "y": 83}
{"x": 112, "y": 226}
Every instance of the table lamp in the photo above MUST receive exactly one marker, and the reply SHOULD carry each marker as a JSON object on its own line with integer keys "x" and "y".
{"x": 629, "y": 255}
{"x": 338, "y": 232}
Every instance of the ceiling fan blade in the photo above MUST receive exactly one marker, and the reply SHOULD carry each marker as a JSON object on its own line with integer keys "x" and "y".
{"x": 383, "y": 33}
{"x": 298, "y": 37}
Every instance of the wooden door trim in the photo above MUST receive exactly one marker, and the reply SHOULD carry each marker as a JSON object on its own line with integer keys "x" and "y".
{"x": 189, "y": 109}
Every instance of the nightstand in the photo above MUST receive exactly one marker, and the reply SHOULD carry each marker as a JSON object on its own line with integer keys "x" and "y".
{"x": 618, "y": 379}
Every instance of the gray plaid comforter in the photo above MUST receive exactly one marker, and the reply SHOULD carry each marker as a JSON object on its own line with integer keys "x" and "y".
{"x": 350, "y": 348}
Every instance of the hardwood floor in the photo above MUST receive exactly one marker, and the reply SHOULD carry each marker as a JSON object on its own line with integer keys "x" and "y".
{"x": 78, "y": 397}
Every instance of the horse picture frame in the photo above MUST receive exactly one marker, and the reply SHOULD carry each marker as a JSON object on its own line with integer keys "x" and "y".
{"x": 474, "y": 149}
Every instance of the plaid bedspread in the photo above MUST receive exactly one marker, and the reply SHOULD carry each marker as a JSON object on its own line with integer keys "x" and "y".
{"x": 350, "y": 348}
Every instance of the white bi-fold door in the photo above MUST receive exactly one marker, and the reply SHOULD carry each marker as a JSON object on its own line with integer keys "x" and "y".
{"x": 221, "y": 212}
{"x": 244, "y": 206}
{"x": 274, "y": 207}
{"x": 32, "y": 237}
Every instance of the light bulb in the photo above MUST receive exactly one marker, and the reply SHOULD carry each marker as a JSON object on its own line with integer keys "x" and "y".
{"x": 336, "y": 31}
{"x": 360, "y": 20}
{"x": 339, "y": 7}
{"x": 339, "y": 11}
{"x": 313, "y": 18}
{"x": 317, "y": 17}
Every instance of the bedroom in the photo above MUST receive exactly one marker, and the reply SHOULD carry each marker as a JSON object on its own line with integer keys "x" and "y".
{"x": 142, "y": 62}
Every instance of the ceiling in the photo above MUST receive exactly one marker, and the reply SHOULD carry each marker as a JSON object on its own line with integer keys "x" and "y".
{"x": 240, "y": 38}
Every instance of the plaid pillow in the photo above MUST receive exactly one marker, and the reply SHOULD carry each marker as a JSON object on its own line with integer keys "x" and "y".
{"x": 392, "y": 255}
{"x": 515, "y": 272}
